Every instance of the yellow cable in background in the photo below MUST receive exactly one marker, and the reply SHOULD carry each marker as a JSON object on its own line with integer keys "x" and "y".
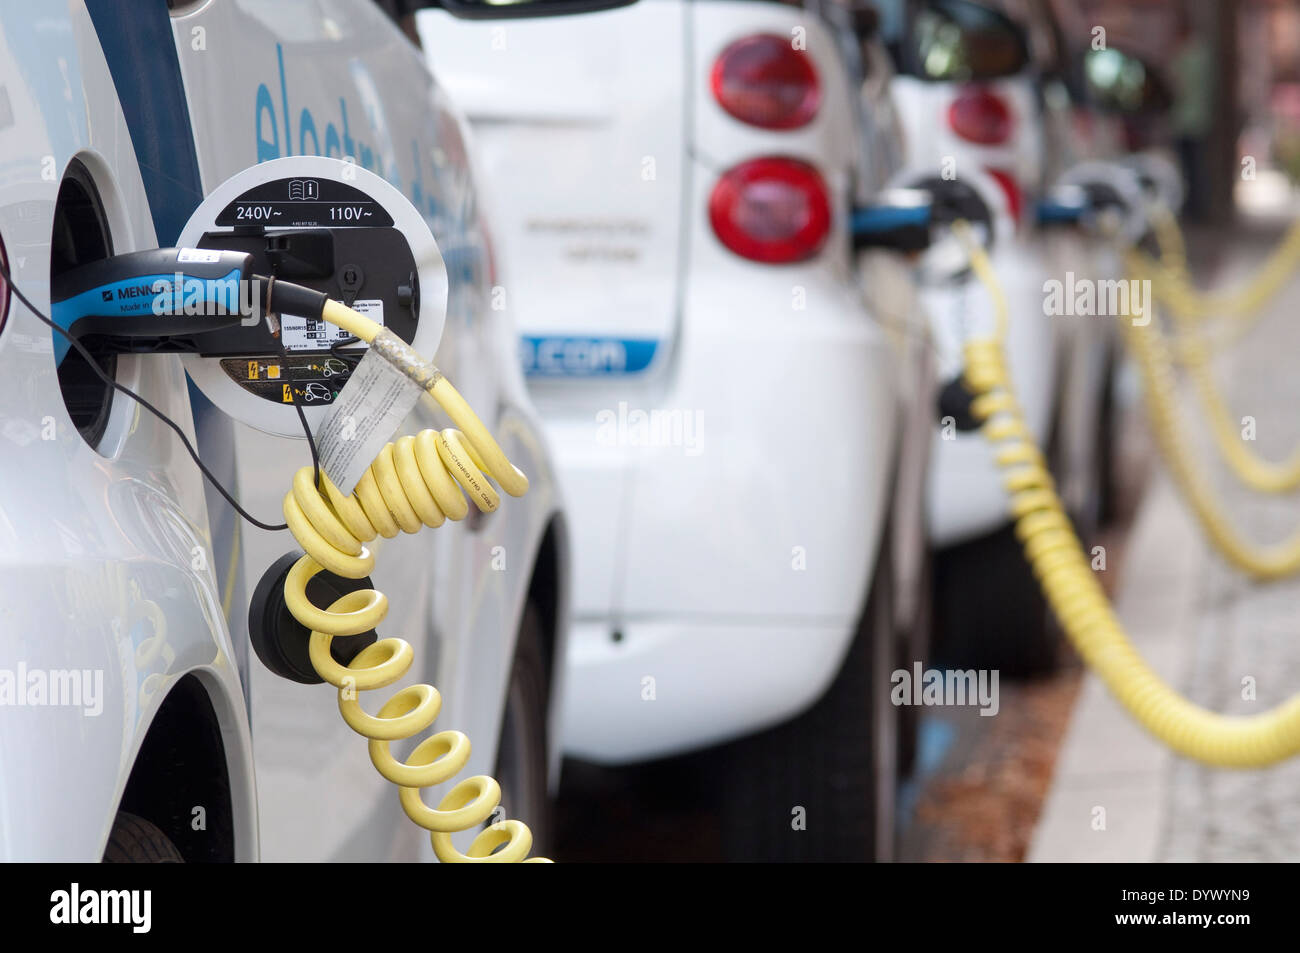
{"x": 1148, "y": 346}
{"x": 413, "y": 482}
{"x": 1057, "y": 557}
{"x": 1190, "y": 349}
{"x": 1174, "y": 287}
{"x": 1255, "y": 472}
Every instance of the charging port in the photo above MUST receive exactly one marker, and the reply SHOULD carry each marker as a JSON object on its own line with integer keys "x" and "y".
{"x": 81, "y": 236}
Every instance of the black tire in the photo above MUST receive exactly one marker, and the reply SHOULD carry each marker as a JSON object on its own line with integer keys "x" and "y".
{"x": 134, "y": 840}
{"x": 836, "y": 761}
{"x": 989, "y": 612}
{"x": 522, "y": 753}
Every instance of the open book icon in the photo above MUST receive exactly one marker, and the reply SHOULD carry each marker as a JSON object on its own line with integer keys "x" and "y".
{"x": 304, "y": 189}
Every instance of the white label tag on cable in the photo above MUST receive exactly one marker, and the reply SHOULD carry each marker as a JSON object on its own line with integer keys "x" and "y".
{"x": 364, "y": 417}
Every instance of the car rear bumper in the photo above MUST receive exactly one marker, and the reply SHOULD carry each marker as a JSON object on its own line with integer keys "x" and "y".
{"x": 672, "y": 685}
{"x": 767, "y": 505}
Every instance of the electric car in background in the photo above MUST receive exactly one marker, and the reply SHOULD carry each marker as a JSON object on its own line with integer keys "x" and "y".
{"x": 127, "y": 578}
{"x": 987, "y": 126}
{"x": 676, "y": 180}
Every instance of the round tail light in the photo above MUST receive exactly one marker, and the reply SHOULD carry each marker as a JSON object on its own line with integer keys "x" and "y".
{"x": 980, "y": 116}
{"x": 764, "y": 81}
{"x": 771, "y": 210}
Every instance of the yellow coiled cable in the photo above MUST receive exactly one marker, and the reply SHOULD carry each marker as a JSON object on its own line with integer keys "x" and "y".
{"x": 1173, "y": 286}
{"x": 1151, "y": 351}
{"x": 413, "y": 482}
{"x": 1056, "y": 555}
{"x": 1190, "y": 348}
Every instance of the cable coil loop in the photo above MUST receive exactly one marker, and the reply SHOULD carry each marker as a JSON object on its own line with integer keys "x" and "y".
{"x": 414, "y": 482}
{"x": 1062, "y": 569}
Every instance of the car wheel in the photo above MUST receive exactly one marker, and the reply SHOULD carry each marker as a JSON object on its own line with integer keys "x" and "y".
{"x": 989, "y": 612}
{"x": 822, "y": 786}
{"x": 522, "y": 752}
{"x": 133, "y": 840}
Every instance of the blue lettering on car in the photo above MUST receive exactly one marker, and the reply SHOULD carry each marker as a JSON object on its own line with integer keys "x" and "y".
{"x": 585, "y": 356}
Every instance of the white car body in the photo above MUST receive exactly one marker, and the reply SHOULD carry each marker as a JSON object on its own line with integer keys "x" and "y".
{"x": 717, "y": 589}
{"x": 1062, "y": 366}
{"x": 965, "y": 493}
{"x": 121, "y": 560}
{"x": 922, "y": 106}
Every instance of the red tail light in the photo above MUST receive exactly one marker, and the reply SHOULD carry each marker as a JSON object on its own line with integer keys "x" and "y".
{"x": 980, "y": 116}
{"x": 1011, "y": 188}
{"x": 771, "y": 210}
{"x": 764, "y": 81}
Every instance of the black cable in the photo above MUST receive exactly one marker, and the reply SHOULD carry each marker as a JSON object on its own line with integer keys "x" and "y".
{"x": 351, "y": 359}
{"x": 94, "y": 366}
{"x": 302, "y": 418}
{"x": 293, "y": 398}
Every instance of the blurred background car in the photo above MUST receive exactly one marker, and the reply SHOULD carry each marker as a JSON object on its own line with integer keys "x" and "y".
{"x": 677, "y": 180}
{"x": 983, "y": 92}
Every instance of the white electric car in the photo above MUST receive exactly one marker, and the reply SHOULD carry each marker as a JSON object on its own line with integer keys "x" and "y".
{"x": 998, "y": 110}
{"x": 129, "y": 699}
{"x": 987, "y": 129}
{"x": 677, "y": 179}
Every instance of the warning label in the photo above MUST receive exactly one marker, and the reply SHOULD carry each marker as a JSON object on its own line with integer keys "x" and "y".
{"x": 364, "y": 417}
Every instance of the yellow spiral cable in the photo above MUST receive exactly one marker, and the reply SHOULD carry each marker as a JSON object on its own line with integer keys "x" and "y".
{"x": 1151, "y": 350}
{"x": 413, "y": 482}
{"x": 1056, "y": 555}
{"x": 1173, "y": 286}
{"x": 1190, "y": 349}
{"x": 1265, "y": 476}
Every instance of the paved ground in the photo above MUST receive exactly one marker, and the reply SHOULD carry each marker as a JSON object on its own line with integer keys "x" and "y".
{"x": 1206, "y": 628}
{"x": 983, "y": 780}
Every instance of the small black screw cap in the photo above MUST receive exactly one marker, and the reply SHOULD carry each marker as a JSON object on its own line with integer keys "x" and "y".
{"x": 955, "y": 401}
{"x": 280, "y": 640}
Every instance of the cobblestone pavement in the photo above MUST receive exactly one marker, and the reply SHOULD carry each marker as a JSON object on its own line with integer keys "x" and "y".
{"x": 1205, "y": 627}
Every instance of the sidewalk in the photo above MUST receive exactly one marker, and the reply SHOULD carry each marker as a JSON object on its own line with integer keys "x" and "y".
{"x": 1116, "y": 794}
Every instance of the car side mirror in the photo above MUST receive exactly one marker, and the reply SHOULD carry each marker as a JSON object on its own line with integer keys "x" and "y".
{"x": 1119, "y": 83}
{"x": 958, "y": 40}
